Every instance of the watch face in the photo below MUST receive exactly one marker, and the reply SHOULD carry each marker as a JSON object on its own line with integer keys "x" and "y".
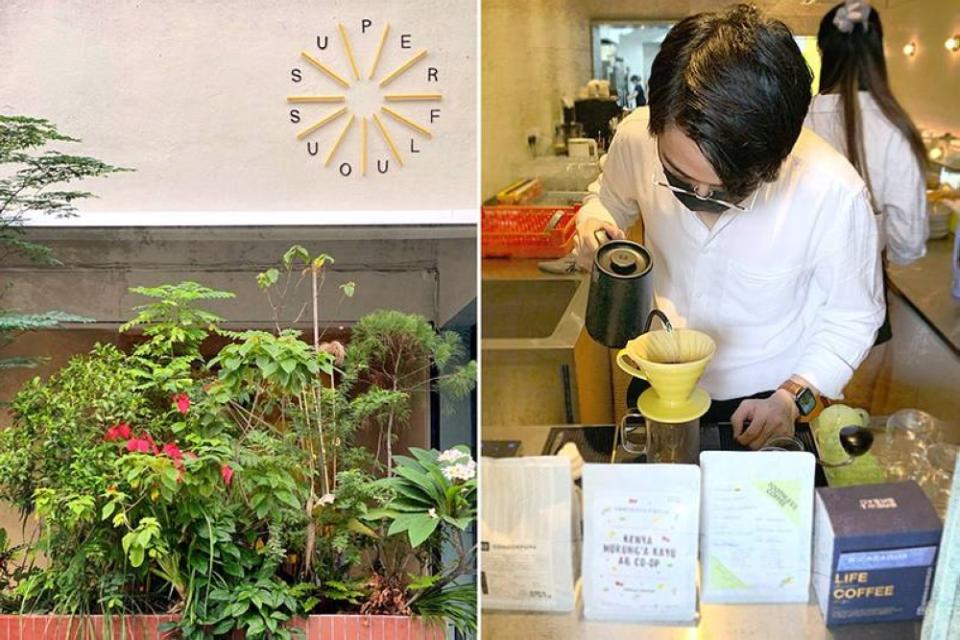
{"x": 806, "y": 401}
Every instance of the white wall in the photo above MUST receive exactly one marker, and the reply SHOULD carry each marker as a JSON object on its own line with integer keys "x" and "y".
{"x": 927, "y": 84}
{"x": 193, "y": 96}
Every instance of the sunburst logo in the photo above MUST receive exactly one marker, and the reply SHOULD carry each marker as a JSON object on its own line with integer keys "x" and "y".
{"x": 365, "y": 99}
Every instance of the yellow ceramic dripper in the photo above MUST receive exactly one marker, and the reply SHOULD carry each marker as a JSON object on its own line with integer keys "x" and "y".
{"x": 671, "y": 361}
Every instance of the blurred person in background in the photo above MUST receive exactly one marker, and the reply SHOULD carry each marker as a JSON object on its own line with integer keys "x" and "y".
{"x": 639, "y": 97}
{"x": 856, "y": 112}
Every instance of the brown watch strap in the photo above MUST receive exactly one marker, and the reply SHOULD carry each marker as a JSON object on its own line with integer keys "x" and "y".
{"x": 793, "y": 387}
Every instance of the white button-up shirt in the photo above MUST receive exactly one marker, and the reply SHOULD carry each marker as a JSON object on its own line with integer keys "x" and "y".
{"x": 899, "y": 190}
{"x": 792, "y": 287}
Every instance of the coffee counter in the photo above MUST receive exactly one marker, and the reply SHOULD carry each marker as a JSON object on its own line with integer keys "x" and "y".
{"x": 717, "y": 622}
{"x": 926, "y": 284}
{"x": 740, "y": 622}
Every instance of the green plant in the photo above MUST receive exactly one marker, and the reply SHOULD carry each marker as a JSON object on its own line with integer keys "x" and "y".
{"x": 232, "y": 490}
{"x": 25, "y": 190}
{"x": 259, "y": 607}
{"x": 434, "y": 503}
{"x": 390, "y": 358}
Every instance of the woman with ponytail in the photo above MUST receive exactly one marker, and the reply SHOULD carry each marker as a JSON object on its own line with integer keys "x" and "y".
{"x": 856, "y": 113}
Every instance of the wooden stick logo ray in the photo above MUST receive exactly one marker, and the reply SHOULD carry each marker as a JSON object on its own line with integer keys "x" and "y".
{"x": 342, "y": 100}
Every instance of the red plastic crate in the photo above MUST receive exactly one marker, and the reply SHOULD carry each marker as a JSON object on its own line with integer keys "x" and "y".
{"x": 516, "y": 231}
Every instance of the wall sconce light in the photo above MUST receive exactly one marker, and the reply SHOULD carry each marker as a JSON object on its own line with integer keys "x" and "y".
{"x": 952, "y": 43}
{"x": 910, "y": 49}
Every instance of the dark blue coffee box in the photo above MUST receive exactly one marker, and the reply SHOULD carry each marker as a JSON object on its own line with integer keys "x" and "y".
{"x": 874, "y": 551}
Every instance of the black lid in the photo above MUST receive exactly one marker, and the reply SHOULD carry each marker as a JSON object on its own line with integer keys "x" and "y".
{"x": 624, "y": 259}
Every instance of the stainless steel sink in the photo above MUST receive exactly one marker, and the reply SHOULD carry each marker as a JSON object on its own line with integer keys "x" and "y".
{"x": 539, "y": 365}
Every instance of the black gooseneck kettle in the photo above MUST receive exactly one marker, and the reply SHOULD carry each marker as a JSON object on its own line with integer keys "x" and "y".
{"x": 620, "y": 303}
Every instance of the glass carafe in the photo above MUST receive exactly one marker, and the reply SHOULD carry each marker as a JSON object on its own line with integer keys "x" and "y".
{"x": 661, "y": 442}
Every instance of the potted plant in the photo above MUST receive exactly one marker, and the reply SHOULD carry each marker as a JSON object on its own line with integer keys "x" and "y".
{"x": 214, "y": 497}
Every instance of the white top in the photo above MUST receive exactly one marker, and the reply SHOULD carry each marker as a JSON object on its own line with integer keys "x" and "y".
{"x": 899, "y": 190}
{"x": 792, "y": 287}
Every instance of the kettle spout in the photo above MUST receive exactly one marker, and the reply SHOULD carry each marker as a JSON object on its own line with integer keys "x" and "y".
{"x": 656, "y": 313}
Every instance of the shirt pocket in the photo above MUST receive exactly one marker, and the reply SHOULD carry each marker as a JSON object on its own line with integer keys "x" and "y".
{"x": 763, "y": 298}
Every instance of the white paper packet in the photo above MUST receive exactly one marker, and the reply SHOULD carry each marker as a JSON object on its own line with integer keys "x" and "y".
{"x": 526, "y": 546}
{"x": 640, "y": 542}
{"x": 757, "y": 526}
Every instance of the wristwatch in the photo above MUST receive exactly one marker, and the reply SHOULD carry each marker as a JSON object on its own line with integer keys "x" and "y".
{"x": 805, "y": 400}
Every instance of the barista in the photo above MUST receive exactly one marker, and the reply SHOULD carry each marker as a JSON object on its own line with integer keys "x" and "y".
{"x": 761, "y": 233}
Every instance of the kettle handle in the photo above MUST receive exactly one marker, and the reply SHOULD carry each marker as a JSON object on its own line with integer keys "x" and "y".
{"x": 601, "y": 236}
{"x": 641, "y": 427}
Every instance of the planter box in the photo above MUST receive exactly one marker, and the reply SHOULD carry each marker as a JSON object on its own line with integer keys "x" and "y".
{"x": 147, "y": 627}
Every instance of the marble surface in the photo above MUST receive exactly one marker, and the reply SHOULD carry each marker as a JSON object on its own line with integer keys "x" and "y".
{"x": 926, "y": 285}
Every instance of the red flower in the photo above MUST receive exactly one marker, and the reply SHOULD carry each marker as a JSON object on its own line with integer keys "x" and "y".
{"x": 142, "y": 444}
{"x": 119, "y": 431}
{"x": 182, "y": 401}
{"x": 153, "y": 445}
{"x": 172, "y": 451}
{"x": 226, "y": 471}
{"x": 138, "y": 445}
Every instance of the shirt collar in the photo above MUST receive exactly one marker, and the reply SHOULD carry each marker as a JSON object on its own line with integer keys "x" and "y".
{"x": 830, "y": 102}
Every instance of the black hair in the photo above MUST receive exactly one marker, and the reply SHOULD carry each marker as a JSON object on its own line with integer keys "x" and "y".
{"x": 854, "y": 62}
{"x": 736, "y": 83}
{"x": 634, "y": 78}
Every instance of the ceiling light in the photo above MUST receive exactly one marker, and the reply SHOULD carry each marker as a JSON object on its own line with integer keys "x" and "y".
{"x": 952, "y": 43}
{"x": 910, "y": 49}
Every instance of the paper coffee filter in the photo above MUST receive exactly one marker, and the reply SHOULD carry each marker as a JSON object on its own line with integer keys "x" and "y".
{"x": 675, "y": 347}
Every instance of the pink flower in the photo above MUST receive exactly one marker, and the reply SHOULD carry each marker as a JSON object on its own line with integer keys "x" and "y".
{"x": 226, "y": 471}
{"x": 120, "y": 431}
{"x": 182, "y": 401}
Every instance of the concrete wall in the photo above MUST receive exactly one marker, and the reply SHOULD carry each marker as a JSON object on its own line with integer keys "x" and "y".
{"x": 393, "y": 268}
{"x": 928, "y": 83}
{"x": 431, "y": 272}
{"x": 193, "y": 96}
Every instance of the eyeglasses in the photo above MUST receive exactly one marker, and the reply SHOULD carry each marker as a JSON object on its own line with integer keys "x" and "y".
{"x": 718, "y": 201}
{"x": 688, "y": 190}
{"x": 709, "y": 197}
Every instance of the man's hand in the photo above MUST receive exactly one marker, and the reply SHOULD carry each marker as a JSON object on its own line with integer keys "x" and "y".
{"x": 586, "y": 245}
{"x": 773, "y": 416}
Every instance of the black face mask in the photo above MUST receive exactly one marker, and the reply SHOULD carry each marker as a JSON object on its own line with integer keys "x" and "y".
{"x": 692, "y": 202}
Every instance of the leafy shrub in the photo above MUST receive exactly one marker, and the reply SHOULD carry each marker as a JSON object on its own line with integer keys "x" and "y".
{"x": 231, "y": 490}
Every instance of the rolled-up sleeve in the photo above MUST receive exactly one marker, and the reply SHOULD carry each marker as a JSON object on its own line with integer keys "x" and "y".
{"x": 904, "y": 202}
{"x": 848, "y": 273}
{"x": 612, "y": 196}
